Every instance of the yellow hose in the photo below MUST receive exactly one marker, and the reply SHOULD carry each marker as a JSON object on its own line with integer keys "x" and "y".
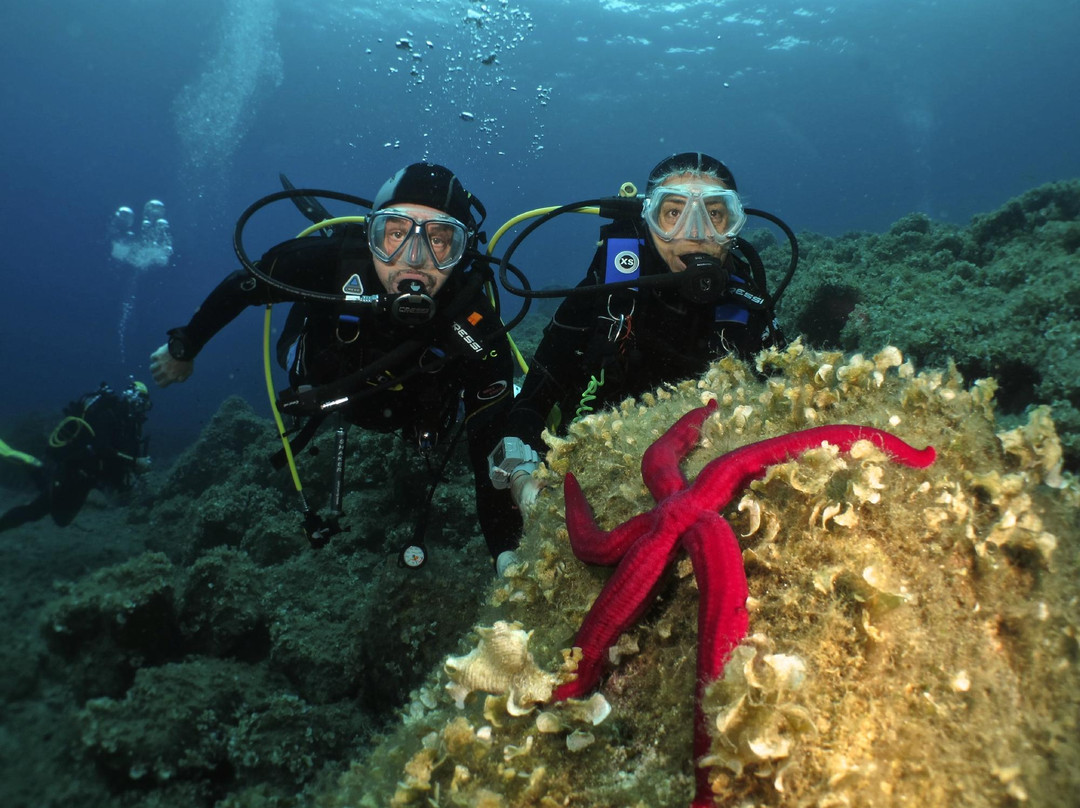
{"x": 273, "y": 402}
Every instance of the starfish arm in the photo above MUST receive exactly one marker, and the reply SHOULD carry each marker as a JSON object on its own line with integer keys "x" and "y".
{"x": 624, "y": 597}
{"x": 719, "y": 481}
{"x": 660, "y": 463}
{"x": 718, "y": 567}
{"x": 722, "y": 619}
{"x": 845, "y": 435}
{"x": 686, "y": 515}
{"x": 589, "y": 543}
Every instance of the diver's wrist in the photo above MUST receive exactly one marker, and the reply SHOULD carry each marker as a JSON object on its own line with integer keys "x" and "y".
{"x": 179, "y": 348}
{"x": 508, "y": 459}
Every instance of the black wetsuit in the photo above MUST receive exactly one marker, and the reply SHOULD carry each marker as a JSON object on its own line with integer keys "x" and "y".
{"x": 418, "y": 391}
{"x": 663, "y": 338}
{"x": 96, "y": 446}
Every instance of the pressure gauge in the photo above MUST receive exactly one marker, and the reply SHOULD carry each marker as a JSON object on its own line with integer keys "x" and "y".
{"x": 413, "y": 555}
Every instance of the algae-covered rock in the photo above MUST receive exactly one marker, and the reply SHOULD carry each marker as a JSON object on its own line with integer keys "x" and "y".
{"x": 238, "y": 663}
{"x": 1000, "y": 298}
{"x": 223, "y": 492}
{"x": 174, "y": 721}
{"x": 214, "y": 723}
{"x": 912, "y": 631}
{"x": 244, "y": 662}
{"x": 222, "y": 611}
{"x": 229, "y": 441}
{"x": 113, "y": 622}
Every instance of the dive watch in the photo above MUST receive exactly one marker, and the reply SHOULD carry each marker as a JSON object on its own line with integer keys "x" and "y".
{"x": 178, "y": 348}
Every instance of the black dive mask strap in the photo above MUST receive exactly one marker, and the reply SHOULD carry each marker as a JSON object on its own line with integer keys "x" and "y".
{"x": 478, "y": 206}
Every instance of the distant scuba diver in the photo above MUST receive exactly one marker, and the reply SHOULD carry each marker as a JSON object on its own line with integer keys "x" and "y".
{"x": 98, "y": 444}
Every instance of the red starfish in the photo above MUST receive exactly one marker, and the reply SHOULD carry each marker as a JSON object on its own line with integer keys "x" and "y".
{"x": 644, "y": 546}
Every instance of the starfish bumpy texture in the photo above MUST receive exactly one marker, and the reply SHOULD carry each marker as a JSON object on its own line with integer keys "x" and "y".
{"x": 688, "y": 516}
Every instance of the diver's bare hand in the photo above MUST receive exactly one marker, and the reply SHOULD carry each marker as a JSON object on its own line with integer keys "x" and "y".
{"x": 166, "y": 370}
{"x": 524, "y": 489}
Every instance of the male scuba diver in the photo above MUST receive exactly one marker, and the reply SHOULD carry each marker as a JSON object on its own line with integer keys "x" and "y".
{"x": 98, "y": 444}
{"x": 602, "y": 346}
{"x": 391, "y": 328}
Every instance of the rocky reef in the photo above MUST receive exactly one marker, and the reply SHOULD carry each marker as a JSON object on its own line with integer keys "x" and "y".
{"x": 228, "y": 659}
{"x": 1000, "y": 298}
{"x": 913, "y": 633}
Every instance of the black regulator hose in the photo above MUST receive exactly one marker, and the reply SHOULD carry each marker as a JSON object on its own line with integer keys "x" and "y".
{"x": 504, "y": 267}
{"x": 792, "y": 240}
{"x": 259, "y": 204}
{"x": 624, "y": 208}
{"x": 608, "y": 210}
{"x": 358, "y": 385}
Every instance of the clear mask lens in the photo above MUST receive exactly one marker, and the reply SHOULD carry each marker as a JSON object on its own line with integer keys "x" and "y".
{"x": 394, "y": 235}
{"x": 694, "y": 212}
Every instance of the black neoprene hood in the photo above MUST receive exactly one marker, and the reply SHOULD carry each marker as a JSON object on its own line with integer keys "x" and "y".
{"x": 428, "y": 184}
{"x": 692, "y": 162}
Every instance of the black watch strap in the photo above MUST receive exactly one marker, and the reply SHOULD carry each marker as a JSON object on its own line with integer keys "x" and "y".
{"x": 178, "y": 348}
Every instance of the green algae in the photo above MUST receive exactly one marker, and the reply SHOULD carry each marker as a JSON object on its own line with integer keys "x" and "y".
{"x": 1000, "y": 298}
{"x": 230, "y": 660}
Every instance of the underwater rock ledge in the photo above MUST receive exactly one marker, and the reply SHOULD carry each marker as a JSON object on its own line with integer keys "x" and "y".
{"x": 913, "y": 632}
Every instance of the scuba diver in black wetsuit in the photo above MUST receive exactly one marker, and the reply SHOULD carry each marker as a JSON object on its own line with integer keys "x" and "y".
{"x": 391, "y": 329}
{"x": 98, "y": 444}
{"x": 702, "y": 295}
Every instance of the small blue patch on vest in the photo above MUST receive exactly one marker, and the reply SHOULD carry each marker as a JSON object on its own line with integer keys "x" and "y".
{"x": 623, "y": 260}
{"x": 731, "y": 313}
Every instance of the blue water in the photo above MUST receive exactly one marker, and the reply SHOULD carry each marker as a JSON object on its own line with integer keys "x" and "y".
{"x": 837, "y": 117}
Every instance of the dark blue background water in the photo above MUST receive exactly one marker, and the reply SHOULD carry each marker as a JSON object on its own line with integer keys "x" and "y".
{"x": 837, "y": 117}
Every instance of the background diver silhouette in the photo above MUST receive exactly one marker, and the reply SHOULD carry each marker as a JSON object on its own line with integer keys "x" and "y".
{"x": 97, "y": 444}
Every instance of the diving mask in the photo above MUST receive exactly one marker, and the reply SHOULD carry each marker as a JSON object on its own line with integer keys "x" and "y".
{"x": 394, "y": 233}
{"x": 695, "y": 212}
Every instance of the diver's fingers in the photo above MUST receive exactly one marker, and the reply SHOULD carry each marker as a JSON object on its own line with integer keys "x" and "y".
{"x": 166, "y": 370}
{"x": 524, "y": 489}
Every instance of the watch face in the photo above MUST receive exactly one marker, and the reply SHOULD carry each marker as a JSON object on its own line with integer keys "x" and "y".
{"x": 176, "y": 348}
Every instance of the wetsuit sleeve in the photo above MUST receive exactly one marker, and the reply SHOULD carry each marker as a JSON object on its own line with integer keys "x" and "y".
{"x": 488, "y": 394}
{"x": 306, "y": 262}
{"x": 221, "y": 307}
